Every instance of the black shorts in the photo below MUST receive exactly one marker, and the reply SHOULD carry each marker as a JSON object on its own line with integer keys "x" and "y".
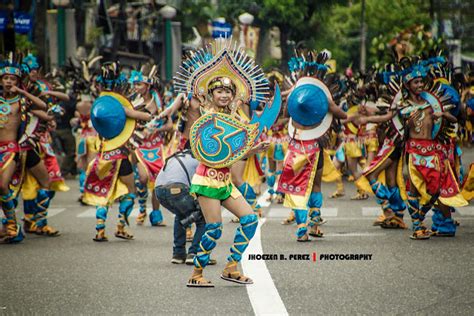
{"x": 125, "y": 168}
{"x": 32, "y": 158}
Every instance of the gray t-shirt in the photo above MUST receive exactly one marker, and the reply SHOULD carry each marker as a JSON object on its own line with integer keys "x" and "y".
{"x": 173, "y": 172}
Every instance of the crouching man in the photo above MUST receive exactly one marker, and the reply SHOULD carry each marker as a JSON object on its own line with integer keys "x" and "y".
{"x": 172, "y": 191}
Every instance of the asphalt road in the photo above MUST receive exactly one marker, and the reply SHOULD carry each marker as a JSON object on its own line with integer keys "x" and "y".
{"x": 71, "y": 274}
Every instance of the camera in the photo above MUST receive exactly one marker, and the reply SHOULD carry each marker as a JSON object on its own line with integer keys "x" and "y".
{"x": 193, "y": 218}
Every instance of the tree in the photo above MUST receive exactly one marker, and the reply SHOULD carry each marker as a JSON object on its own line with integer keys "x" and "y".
{"x": 384, "y": 18}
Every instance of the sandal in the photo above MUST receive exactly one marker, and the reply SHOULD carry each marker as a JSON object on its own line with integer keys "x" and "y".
{"x": 393, "y": 222}
{"x": 421, "y": 234}
{"x": 29, "y": 226}
{"x": 337, "y": 194}
{"x": 141, "y": 218}
{"x": 280, "y": 199}
{"x": 304, "y": 238}
{"x": 235, "y": 276}
{"x": 199, "y": 281}
{"x": 123, "y": 234}
{"x": 316, "y": 232}
{"x": 379, "y": 220}
{"x": 100, "y": 236}
{"x": 289, "y": 220}
{"x": 47, "y": 231}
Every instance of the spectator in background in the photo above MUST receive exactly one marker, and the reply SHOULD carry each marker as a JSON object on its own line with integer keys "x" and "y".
{"x": 64, "y": 138}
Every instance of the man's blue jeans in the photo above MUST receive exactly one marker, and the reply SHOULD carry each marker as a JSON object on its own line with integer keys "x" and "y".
{"x": 176, "y": 198}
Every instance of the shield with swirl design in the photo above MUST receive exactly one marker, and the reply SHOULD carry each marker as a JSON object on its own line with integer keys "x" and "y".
{"x": 218, "y": 140}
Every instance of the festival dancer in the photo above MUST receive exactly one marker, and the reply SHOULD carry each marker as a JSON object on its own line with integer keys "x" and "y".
{"x": 43, "y": 175}
{"x": 278, "y": 138}
{"x": 217, "y": 81}
{"x": 150, "y": 154}
{"x": 311, "y": 108}
{"x": 14, "y": 104}
{"x": 432, "y": 180}
{"x": 110, "y": 174}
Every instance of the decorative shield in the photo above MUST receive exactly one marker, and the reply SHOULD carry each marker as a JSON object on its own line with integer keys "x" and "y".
{"x": 218, "y": 140}
{"x": 396, "y": 119}
{"x": 437, "y": 106}
{"x": 109, "y": 119}
{"x": 308, "y": 105}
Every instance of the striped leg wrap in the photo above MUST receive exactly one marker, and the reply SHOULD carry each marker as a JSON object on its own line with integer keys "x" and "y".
{"x": 243, "y": 235}
{"x": 43, "y": 199}
{"x": 208, "y": 242}
{"x": 101, "y": 217}
{"x": 397, "y": 204}
{"x": 301, "y": 216}
{"x": 142, "y": 192}
{"x": 271, "y": 179}
{"x": 249, "y": 195}
{"x": 125, "y": 208}
{"x": 82, "y": 180}
{"x": 315, "y": 202}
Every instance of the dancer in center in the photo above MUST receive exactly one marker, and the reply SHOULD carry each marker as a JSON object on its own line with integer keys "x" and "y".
{"x": 311, "y": 108}
{"x": 221, "y": 79}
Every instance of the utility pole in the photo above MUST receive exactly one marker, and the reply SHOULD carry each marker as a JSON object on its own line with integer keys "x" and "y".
{"x": 363, "y": 35}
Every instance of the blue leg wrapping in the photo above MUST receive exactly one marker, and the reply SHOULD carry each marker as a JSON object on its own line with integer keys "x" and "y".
{"x": 278, "y": 154}
{"x": 142, "y": 192}
{"x": 101, "y": 217}
{"x": 14, "y": 232}
{"x": 396, "y": 202}
{"x": 249, "y": 195}
{"x": 380, "y": 190}
{"x": 125, "y": 208}
{"x": 315, "y": 202}
{"x": 82, "y": 180}
{"x": 43, "y": 199}
{"x": 243, "y": 235}
{"x": 442, "y": 225}
{"x": 213, "y": 231}
{"x": 301, "y": 216}
{"x": 271, "y": 179}
{"x": 416, "y": 215}
{"x": 156, "y": 217}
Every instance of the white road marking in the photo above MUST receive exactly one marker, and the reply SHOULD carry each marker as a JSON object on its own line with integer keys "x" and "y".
{"x": 262, "y": 200}
{"x": 55, "y": 211}
{"x": 371, "y": 211}
{"x": 283, "y": 212}
{"x": 361, "y": 234}
{"x": 263, "y": 294}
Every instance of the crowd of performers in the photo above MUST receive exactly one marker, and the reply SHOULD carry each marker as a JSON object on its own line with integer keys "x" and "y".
{"x": 396, "y": 132}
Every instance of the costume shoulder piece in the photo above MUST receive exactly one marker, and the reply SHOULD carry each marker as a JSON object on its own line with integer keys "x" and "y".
{"x": 217, "y": 139}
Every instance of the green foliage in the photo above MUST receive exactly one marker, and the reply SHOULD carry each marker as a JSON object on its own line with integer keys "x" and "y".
{"x": 340, "y": 32}
{"x": 24, "y": 45}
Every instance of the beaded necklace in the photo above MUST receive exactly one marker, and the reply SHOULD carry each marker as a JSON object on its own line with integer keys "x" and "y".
{"x": 6, "y": 109}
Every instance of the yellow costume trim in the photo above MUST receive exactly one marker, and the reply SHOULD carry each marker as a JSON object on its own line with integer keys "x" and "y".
{"x": 352, "y": 149}
{"x": 468, "y": 188}
{"x": 330, "y": 173}
{"x": 298, "y": 201}
{"x": 31, "y": 186}
{"x": 418, "y": 181}
{"x": 251, "y": 175}
{"x": 117, "y": 190}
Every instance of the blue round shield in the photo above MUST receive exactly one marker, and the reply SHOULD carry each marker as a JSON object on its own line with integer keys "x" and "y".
{"x": 455, "y": 98}
{"x": 308, "y": 104}
{"x": 108, "y": 116}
